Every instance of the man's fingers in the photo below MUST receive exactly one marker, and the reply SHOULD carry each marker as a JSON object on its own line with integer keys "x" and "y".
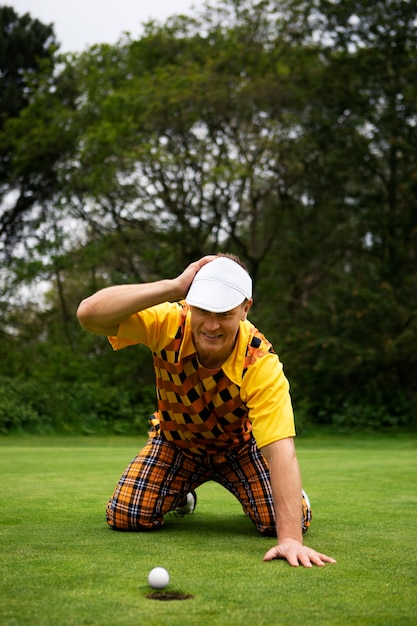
{"x": 300, "y": 555}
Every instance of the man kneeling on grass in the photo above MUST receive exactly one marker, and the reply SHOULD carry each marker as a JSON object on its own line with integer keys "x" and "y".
{"x": 224, "y": 409}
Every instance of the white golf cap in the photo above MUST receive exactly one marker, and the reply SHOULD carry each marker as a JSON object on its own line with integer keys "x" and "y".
{"x": 219, "y": 286}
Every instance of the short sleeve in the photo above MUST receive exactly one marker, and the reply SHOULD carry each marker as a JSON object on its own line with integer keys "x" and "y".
{"x": 153, "y": 327}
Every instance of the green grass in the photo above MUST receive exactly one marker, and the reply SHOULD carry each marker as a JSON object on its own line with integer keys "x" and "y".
{"x": 61, "y": 566}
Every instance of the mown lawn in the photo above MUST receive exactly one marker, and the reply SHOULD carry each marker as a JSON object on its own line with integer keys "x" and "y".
{"x": 61, "y": 565}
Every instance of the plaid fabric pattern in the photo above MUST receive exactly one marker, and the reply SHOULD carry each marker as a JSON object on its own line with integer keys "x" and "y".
{"x": 200, "y": 411}
{"x": 159, "y": 477}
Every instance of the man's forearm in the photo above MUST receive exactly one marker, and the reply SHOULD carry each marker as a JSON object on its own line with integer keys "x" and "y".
{"x": 286, "y": 488}
{"x": 102, "y": 312}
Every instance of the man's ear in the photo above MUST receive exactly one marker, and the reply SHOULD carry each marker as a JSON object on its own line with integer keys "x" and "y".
{"x": 246, "y": 308}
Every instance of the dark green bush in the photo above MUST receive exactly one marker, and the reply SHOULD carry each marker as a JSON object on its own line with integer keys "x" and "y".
{"x": 37, "y": 406}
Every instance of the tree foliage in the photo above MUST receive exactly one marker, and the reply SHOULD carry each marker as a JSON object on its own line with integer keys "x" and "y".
{"x": 283, "y": 131}
{"x": 27, "y": 49}
{"x": 25, "y": 44}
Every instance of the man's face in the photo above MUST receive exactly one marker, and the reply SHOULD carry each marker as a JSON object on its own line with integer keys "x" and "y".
{"x": 214, "y": 334}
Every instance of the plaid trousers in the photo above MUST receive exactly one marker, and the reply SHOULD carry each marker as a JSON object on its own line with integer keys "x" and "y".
{"x": 160, "y": 476}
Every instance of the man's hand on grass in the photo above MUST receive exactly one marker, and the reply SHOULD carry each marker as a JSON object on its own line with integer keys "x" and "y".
{"x": 297, "y": 554}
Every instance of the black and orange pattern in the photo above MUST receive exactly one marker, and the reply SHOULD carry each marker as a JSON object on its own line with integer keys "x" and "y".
{"x": 200, "y": 410}
{"x": 161, "y": 474}
{"x": 159, "y": 477}
{"x": 209, "y": 425}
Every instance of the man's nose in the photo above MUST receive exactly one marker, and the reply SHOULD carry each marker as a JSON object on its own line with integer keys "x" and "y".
{"x": 211, "y": 322}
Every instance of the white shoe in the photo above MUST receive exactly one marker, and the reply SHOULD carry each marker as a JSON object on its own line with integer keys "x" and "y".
{"x": 188, "y": 505}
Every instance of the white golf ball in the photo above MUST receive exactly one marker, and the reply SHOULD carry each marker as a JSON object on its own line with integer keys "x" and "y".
{"x": 158, "y": 577}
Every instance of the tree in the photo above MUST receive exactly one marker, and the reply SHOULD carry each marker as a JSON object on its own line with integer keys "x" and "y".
{"x": 360, "y": 131}
{"x": 284, "y": 132}
{"x": 27, "y": 49}
{"x": 25, "y": 46}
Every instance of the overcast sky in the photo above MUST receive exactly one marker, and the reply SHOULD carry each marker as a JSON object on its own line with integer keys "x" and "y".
{"x": 82, "y": 23}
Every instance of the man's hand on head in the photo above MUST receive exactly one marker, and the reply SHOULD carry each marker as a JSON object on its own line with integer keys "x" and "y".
{"x": 185, "y": 279}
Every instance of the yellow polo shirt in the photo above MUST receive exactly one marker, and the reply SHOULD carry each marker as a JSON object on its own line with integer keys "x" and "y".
{"x": 202, "y": 411}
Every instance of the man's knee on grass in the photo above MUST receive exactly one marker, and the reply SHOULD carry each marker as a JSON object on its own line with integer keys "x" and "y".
{"x": 124, "y": 521}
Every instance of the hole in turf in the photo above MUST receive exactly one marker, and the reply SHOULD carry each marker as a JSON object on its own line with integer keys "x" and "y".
{"x": 168, "y": 595}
